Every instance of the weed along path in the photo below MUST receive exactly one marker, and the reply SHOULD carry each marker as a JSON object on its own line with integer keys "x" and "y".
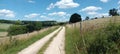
{"x": 58, "y": 44}
{"x": 35, "y": 47}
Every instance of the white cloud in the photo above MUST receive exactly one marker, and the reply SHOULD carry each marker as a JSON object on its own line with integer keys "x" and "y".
{"x": 59, "y": 16}
{"x": 42, "y": 16}
{"x": 91, "y": 9}
{"x": 7, "y": 13}
{"x": 104, "y": 14}
{"x": 119, "y": 2}
{"x": 31, "y": 1}
{"x": 45, "y": 17}
{"x": 92, "y": 13}
{"x": 50, "y": 6}
{"x": 101, "y": 14}
{"x": 57, "y": 13}
{"x": 96, "y": 14}
{"x": 33, "y": 15}
{"x": 63, "y": 4}
{"x": 104, "y": 1}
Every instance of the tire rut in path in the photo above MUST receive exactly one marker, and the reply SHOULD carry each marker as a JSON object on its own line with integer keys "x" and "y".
{"x": 35, "y": 47}
{"x": 58, "y": 44}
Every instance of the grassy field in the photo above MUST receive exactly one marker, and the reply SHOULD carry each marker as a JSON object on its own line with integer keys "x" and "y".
{"x": 14, "y": 46}
{"x": 99, "y": 36}
{"x": 3, "y": 34}
{"x": 4, "y": 27}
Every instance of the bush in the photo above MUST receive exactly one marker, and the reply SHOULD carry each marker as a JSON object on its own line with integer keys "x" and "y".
{"x": 17, "y": 29}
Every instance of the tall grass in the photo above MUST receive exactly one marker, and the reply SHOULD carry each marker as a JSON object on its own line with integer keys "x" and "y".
{"x": 104, "y": 40}
{"x": 14, "y": 46}
{"x": 72, "y": 38}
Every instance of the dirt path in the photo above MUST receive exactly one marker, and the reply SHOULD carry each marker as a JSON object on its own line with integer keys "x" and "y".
{"x": 34, "y": 48}
{"x": 57, "y": 45}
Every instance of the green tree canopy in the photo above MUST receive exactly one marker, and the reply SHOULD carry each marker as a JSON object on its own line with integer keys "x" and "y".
{"x": 87, "y": 18}
{"x": 113, "y": 12}
{"x": 75, "y": 18}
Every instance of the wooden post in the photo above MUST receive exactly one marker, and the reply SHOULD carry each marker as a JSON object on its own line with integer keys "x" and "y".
{"x": 83, "y": 38}
{"x": 10, "y": 38}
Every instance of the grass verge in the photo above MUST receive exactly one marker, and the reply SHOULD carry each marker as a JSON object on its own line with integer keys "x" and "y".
{"x": 15, "y": 46}
{"x": 41, "y": 51}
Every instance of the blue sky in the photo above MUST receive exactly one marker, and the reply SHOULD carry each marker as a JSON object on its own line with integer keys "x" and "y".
{"x": 59, "y": 10}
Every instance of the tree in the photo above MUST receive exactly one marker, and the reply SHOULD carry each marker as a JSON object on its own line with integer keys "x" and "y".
{"x": 75, "y": 18}
{"x": 113, "y": 12}
{"x": 17, "y": 29}
{"x": 18, "y": 22}
{"x": 30, "y": 27}
{"x": 34, "y": 26}
{"x": 87, "y": 18}
{"x": 103, "y": 16}
{"x": 38, "y": 25}
{"x": 96, "y": 18}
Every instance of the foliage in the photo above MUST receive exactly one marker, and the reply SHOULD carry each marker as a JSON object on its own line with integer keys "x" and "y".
{"x": 75, "y": 18}
{"x": 38, "y": 25}
{"x": 87, "y": 18}
{"x": 18, "y": 22}
{"x": 48, "y": 23}
{"x": 17, "y": 29}
{"x": 96, "y": 18}
{"x": 34, "y": 26}
{"x": 113, "y": 12}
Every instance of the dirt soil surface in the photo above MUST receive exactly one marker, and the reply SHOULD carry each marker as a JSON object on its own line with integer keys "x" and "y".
{"x": 35, "y": 47}
{"x": 58, "y": 44}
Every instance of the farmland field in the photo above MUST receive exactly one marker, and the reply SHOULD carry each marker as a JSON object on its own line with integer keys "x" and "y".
{"x": 3, "y": 28}
{"x": 3, "y": 34}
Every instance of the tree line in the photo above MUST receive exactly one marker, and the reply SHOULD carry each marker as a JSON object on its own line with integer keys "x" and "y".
{"x": 21, "y": 27}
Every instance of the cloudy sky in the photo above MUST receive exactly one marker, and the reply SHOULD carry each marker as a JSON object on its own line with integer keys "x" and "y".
{"x": 59, "y": 10}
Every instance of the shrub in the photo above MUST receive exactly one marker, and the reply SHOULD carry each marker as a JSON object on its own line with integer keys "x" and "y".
{"x": 17, "y": 29}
